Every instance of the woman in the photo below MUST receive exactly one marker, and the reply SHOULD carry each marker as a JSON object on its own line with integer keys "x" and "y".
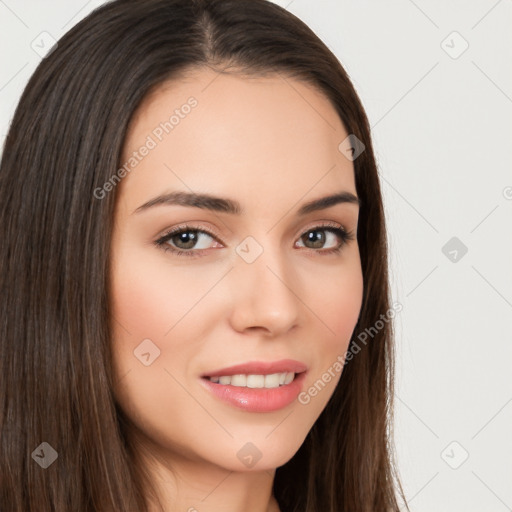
{"x": 194, "y": 255}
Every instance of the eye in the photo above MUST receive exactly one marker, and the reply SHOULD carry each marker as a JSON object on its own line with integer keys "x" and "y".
{"x": 188, "y": 240}
{"x": 182, "y": 239}
{"x": 317, "y": 237}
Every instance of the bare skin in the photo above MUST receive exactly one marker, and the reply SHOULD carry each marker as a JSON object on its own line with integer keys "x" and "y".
{"x": 271, "y": 147}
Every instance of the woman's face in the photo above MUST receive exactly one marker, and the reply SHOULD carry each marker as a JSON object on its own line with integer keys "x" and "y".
{"x": 262, "y": 285}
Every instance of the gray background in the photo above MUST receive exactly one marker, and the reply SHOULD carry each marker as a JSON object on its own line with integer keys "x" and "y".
{"x": 442, "y": 128}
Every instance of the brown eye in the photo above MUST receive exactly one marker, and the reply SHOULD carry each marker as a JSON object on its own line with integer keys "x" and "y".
{"x": 187, "y": 238}
{"x": 184, "y": 240}
{"x": 191, "y": 241}
{"x": 317, "y": 237}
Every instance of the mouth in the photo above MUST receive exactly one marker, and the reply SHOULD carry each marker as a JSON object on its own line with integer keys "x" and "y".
{"x": 255, "y": 381}
{"x": 258, "y": 374}
{"x": 256, "y": 392}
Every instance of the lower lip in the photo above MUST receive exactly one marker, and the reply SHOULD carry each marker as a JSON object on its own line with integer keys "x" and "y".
{"x": 257, "y": 399}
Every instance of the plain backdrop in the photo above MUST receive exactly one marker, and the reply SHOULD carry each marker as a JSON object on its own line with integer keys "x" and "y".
{"x": 435, "y": 80}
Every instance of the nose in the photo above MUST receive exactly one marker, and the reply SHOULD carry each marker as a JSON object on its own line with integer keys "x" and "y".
{"x": 264, "y": 295}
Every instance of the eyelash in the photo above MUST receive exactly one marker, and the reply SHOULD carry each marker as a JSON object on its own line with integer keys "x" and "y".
{"x": 162, "y": 244}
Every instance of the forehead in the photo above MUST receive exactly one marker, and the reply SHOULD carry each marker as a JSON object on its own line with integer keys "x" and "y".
{"x": 243, "y": 135}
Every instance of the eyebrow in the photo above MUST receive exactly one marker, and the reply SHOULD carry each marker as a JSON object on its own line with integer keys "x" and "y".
{"x": 224, "y": 205}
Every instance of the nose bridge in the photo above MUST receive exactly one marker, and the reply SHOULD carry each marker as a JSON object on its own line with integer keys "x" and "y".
{"x": 264, "y": 294}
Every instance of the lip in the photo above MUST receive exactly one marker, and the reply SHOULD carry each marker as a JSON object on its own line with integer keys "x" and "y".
{"x": 257, "y": 399}
{"x": 260, "y": 368}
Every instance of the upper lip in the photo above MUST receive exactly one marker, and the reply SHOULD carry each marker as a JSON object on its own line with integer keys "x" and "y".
{"x": 260, "y": 368}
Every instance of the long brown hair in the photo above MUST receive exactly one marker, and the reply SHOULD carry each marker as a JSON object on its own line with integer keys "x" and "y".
{"x": 64, "y": 142}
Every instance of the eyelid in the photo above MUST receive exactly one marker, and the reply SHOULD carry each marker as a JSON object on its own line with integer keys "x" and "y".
{"x": 214, "y": 233}
{"x": 189, "y": 227}
{"x": 322, "y": 224}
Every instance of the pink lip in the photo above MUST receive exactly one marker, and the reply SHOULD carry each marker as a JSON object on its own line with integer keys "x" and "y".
{"x": 255, "y": 399}
{"x": 260, "y": 368}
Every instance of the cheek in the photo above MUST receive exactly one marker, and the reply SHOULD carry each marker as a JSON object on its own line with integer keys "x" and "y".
{"x": 337, "y": 304}
{"x": 149, "y": 297}
{"x": 151, "y": 301}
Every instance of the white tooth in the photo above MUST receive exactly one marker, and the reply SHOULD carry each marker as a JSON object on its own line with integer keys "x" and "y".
{"x": 239, "y": 380}
{"x": 289, "y": 377}
{"x": 272, "y": 381}
{"x": 255, "y": 381}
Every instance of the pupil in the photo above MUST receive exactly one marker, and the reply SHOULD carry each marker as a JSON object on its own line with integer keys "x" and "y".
{"x": 182, "y": 237}
{"x": 318, "y": 238}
